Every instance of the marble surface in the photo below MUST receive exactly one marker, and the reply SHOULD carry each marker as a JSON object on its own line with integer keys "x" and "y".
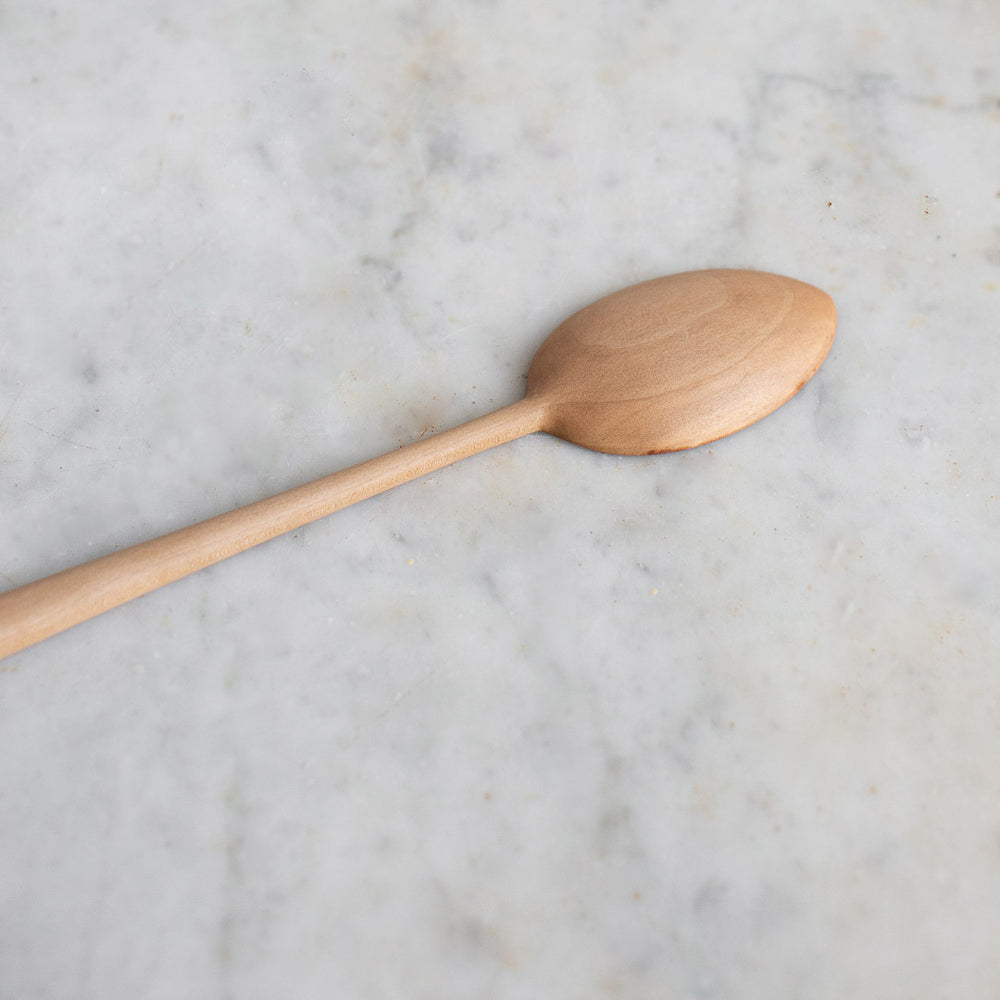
{"x": 547, "y": 723}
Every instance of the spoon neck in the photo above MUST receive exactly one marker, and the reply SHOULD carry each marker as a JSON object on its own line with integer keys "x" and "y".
{"x": 436, "y": 451}
{"x": 515, "y": 420}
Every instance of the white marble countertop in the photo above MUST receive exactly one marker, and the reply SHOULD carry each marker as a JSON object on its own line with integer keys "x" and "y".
{"x": 547, "y": 723}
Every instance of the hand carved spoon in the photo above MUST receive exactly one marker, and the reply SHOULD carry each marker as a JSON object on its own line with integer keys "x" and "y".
{"x": 667, "y": 364}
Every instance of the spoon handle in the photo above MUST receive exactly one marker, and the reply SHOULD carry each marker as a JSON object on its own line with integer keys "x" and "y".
{"x": 38, "y": 610}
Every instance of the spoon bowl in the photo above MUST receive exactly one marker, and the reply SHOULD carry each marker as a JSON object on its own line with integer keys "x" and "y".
{"x": 663, "y": 365}
{"x": 679, "y": 361}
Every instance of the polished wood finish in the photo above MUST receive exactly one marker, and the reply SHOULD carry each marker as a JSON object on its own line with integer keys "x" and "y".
{"x": 50, "y": 605}
{"x": 679, "y": 361}
{"x": 667, "y": 364}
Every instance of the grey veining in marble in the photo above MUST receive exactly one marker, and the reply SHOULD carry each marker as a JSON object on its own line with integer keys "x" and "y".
{"x": 547, "y": 723}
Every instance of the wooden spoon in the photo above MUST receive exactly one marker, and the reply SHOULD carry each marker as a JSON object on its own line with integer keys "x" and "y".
{"x": 667, "y": 364}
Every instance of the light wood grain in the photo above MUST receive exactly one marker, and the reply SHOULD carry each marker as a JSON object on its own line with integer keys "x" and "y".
{"x": 667, "y": 364}
{"x": 679, "y": 361}
{"x": 50, "y": 605}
